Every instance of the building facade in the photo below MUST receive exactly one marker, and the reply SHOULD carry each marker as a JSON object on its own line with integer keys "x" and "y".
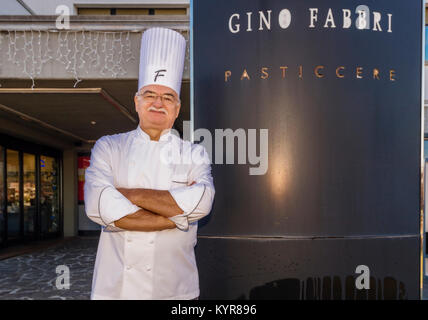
{"x": 64, "y": 84}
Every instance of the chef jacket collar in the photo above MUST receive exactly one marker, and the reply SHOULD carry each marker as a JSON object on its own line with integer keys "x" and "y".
{"x": 145, "y": 137}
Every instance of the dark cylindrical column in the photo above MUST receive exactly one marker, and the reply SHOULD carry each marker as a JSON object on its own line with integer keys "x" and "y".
{"x": 323, "y": 103}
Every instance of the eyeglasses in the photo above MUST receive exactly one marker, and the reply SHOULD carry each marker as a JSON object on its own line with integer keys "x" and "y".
{"x": 151, "y": 97}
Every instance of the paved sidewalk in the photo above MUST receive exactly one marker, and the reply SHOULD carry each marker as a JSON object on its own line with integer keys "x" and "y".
{"x": 33, "y": 276}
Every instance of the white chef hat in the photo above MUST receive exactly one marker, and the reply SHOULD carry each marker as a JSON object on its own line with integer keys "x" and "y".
{"x": 162, "y": 58}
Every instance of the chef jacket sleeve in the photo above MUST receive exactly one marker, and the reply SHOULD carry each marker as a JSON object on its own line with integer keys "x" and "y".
{"x": 103, "y": 203}
{"x": 195, "y": 200}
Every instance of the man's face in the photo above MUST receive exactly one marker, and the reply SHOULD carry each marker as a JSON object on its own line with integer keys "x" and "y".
{"x": 157, "y": 107}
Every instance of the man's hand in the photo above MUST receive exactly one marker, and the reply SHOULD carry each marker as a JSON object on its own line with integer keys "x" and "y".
{"x": 156, "y": 201}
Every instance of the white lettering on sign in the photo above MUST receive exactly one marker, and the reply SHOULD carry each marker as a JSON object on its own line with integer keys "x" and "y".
{"x": 330, "y": 19}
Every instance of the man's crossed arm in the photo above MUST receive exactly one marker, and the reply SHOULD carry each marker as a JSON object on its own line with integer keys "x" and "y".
{"x": 158, "y": 206}
{"x": 145, "y": 209}
{"x": 144, "y": 220}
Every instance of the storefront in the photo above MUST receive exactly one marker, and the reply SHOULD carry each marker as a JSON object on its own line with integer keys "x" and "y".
{"x": 30, "y": 191}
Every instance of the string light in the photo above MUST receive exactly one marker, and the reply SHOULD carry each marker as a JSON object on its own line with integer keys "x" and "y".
{"x": 127, "y": 46}
{"x": 79, "y": 52}
{"x": 74, "y": 68}
{"x": 104, "y": 51}
{"x": 187, "y": 37}
{"x": 83, "y": 51}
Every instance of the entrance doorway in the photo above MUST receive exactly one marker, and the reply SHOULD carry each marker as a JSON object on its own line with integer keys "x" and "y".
{"x": 30, "y": 192}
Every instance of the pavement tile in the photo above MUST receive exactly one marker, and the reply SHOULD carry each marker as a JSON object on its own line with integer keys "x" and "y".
{"x": 33, "y": 276}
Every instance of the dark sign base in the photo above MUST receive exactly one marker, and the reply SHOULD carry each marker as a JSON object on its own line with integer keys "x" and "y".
{"x": 308, "y": 269}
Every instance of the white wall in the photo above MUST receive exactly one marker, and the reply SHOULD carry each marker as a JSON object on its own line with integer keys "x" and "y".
{"x": 12, "y": 7}
{"x": 70, "y": 193}
{"x": 49, "y": 61}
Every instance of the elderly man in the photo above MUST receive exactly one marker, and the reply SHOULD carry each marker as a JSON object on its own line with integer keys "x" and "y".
{"x": 145, "y": 193}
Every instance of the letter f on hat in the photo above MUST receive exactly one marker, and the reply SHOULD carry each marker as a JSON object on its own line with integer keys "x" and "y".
{"x": 158, "y": 74}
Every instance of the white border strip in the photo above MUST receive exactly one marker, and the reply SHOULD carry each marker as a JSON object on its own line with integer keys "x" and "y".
{"x": 422, "y": 169}
{"x": 192, "y": 79}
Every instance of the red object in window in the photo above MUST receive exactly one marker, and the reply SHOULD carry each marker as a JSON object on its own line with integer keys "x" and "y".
{"x": 82, "y": 164}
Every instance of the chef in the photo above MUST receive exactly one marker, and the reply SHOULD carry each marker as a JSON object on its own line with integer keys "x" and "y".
{"x": 147, "y": 188}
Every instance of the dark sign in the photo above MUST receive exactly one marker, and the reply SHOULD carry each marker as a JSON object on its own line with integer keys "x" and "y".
{"x": 314, "y": 108}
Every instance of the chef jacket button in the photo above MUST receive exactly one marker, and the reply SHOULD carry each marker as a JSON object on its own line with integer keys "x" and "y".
{"x": 129, "y": 240}
{"x": 128, "y": 268}
{"x": 148, "y": 268}
{"x": 151, "y": 241}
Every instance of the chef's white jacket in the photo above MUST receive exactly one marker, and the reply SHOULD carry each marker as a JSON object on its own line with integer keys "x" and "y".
{"x": 147, "y": 265}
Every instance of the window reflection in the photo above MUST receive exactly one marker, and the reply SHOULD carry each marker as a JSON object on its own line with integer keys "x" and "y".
{"x": 29, "y": 193}
{"x": 13, "y": 210}
{"x": 49, "y": 194}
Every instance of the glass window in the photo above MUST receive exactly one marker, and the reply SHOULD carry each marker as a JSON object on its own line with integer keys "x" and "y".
{"x": 29, "y": 193}
{"x": 131, "y": 11}
{"x": 426, "y": 45}
{"x": 426, "y": 150}
{"x": 2, "y": 197}
{"x": 13, "y": 196}
{"x": 49, "y": 195}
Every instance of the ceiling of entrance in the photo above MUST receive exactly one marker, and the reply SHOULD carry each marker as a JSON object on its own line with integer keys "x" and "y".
{"x": 82, "y": 114}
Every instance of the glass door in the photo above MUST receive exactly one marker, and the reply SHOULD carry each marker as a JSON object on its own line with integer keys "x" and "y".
{"x": 30, "y": 192}
{"x": 49, "y": 195}
{"x": 2, "y": 198}
{"x": 30, "y": 204}
{"x": 13, "y": 195}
